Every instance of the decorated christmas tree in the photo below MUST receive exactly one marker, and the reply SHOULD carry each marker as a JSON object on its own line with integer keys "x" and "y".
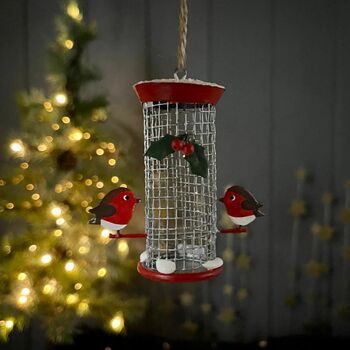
{"x": 53, "y": 265}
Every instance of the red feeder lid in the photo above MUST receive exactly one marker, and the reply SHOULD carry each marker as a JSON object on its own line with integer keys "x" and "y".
{"x": 181, "y": 91}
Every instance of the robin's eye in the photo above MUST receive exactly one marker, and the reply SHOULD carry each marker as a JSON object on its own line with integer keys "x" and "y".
{"x": 126, "y": 197}
{"x": 233, "y": 197}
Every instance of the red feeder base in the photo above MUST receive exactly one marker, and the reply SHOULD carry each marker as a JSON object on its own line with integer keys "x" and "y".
{"x": 127, "y": 235}
{"x": 234, "y": 230}
{"x": 178, "y": 277}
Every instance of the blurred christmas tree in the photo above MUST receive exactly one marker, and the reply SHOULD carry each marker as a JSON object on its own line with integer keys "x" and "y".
{"x": 53, "y": 265}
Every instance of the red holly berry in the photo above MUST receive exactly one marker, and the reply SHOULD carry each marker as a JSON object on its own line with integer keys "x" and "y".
{"x": 187, "y": 149}
{"x": 177, "y": 144}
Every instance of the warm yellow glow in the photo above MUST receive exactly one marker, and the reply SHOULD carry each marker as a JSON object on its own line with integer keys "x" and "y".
{"x": 84, "y": 250}
{"x": 124, "y": 185}
{"x": 42, "y": 147}
{"x": 123, "y": 247}
{"x": 30, "y": 187}
{"x": 65, "y": 120}
{"x": 72, "y": 298}
{"x": 83, "y": 307}
{"x": 38, "y": 203}
{"x": 24, "y": 165}
{"x": 84, "y": 204}
{"x": 114, "y": 179}
{"x": 75, "y": 135}
{"x": 100, "y": 151}
{"x": 100, "y": 195}
{"x": 60, "y": 221}
{"x": 105, "y": 233}
{"x": 88, "y": 182}
{"x": 86, "y": 135}
{"x": 110, "y": 146}
{"x": 55, "y": 126}
{"x": 16, "y": 146}
{"x": 22, "y": 276}
{"x": 99, "y": 184}
{"x": 69, "y": 266}
{"x": 46, "y": 259}
{"x": 25, "y": 291}
{"x": 48, "y": 289}
{"x": 117, "y": 322}
{"x": 112, "y": 162}
{"x": 9, "y": 324}
{"x": 2, "y": 182}
{"x": 56, "y": 211}
{"x": 48, "y": 106}
{"x": 102, "y": 272}
{"x": 49, "y": 139}
{"x": 10, "y": 205}
{"x": 61, "y": 99}
{"x": 58, "y": 233}
{"x": 32, "y": 248}
{"x": 73, "y": 11}
{"x": 58, "y": 188}
{"x": 23, "y": 299}
{"x": 26, "y": 205}
{"x": 35, "y": 196}
{"x": 69, "y": 44}
{"x": 69, "y": 184}
{"x": 87, "y": 209}
{"x": 78, "y": 286}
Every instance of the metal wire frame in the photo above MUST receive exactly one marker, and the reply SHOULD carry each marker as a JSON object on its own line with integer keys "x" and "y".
{"x": 180, "y": 208}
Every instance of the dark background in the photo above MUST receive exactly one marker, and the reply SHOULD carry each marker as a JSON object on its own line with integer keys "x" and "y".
{"x": 285, "y": 66}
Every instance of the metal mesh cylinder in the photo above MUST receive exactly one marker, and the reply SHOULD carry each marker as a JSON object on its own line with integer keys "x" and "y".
{"x": 180, "y": 208}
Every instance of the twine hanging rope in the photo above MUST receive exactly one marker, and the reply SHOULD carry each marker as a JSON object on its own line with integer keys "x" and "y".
{"x": 181, "y": 51}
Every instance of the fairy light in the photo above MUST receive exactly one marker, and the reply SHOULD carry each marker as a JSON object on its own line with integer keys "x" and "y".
{"x": 25, "y": 291}
{"x": 48, "y": 139}
{"x": 84, "y": 204}
{"x": 17, "y": 147}
{"x": 2, "y": 182}
{"x": 88, "y": 182}
{"x": 42, "y": 147}
{"x": 117, "y": 322}
{"x": 102, "y": 272}
{"x": 35, "y": 196}
{"x": 73, "y": 11}
{"x": 83, "y": 307}
{"x": 9, "y": 324}
{"x": 72, "y": 298}
{"x": 24, "y": 165}
{"x": 61, "y": 99}
{"x": 78, "y": 286}
{"x": 55, "y": 126}
{"x": 65, "y": 120}
{"x": 38, "y": 203}
{"x": 58, "y": 233}
{"x": 48, "y": 106}
{"x": 124, "y": 185}
{"x": 123, "y": 247}
{"x": 46, "y": 259}
{"x": 60, "y": 221}
{"x": 69, "y": 266}
{"x": 75, "y": 135}
{"x": 111, "y": 146}
{"x": 58, "y": 188}
{"x": 22, "y": 300}
{"x": 56, "y": 211}
{"x": 99, "y": 184}
{"x": 30, "y": 187}
{"x": 87, "y": 209}
{"x": 100, "y": 195}
{"x": 48, "y": 289}
{"x": 114, "y": 179}
{"x": 32, "y": 248}
{"x": 10, "y": 205}
{"x": 112, "y": 162}
{"x": 100, "y": 151}
{"x": 69, "y": 184}
{"x": 22, "y": 276}
{"x": 105, "y": 233}
{"x": 83, "y": 250}
{"x": 26, "y": 205}
{"x": 69, "y": 44}
{"x": 86, "y": 135}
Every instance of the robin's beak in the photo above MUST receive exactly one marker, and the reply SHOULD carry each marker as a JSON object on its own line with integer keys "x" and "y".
{"x": 138, "y": 200}
{"x": 221, "y": 199}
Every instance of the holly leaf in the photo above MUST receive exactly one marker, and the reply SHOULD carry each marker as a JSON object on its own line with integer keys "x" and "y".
{"x": 198, "y": 161}
{"x": 161, "y": 148}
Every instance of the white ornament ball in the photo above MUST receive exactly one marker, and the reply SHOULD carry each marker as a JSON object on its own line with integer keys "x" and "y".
{"x": 143, "y": 256}
{"x": 165, "y": 266}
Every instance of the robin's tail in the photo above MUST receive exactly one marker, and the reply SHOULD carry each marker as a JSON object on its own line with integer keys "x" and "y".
{"x": 95, "y": 221}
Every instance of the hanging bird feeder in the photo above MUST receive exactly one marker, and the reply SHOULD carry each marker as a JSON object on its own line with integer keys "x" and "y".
{"x": 180, "y": 174}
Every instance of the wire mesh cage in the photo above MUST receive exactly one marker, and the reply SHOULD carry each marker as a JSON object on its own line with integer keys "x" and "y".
{"x": 180, "y": 207}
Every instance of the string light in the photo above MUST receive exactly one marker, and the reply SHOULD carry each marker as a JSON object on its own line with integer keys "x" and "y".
{"x": 65, "y": 120}
{"x": 86, "y": 135}
{"x": 49, "y": 139}
{"x": 10, "y": 205}
{"x": 42, "y": 147}
{"x": 25, "y": 291}
{"x": 69, "y": 44}
{"x": 99, "y": 184}
{"x": 88, "y": 182}
{"x": 46, "y": 259}
{"x": 17, "y": 147}
{"x": 35, "y": 196}
{"x": 26, "y": 205}
{"x": 32, "y": 248}
{"x": 75, "y": 135}
{"x": 78, "y": 286}
{"x": 111, "y": 146}
{"x": 58, "y": 233}
{"x": 9, "y": 324}
{"x": 123, "y": 248}
{"x": 100, "y": 151}
{"x": 73, "y": 11}
{"x": 22, "y": 276}
{"x": 60, "y": 221}
{"x": 56, "y": 211}
{"x": 24, "y": 165}
{"x": 117, "y": 322}
{"x": 83, "y": 307}
{"x": 69, "y": 266}
{"x": 23, "y": 299}
{"x": 105, "y": 233}
{"x": 124, "y": 185}
{"x": 49, "y": 288}
{"x": 61, "y": 99}
{"x": 114, "y": 179}
{"x": 83, "y": 250}
{"x": 72, "y": 298}
{"x": 55, "y": 126}
{"x": 84, "y": 204}
{"x": 100, "y": 195}
{"x": 48, "y": 106}
{"x": 112, "y": 162}
{"x": 30, "y": 187}
{"x": 102, "y": 272}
